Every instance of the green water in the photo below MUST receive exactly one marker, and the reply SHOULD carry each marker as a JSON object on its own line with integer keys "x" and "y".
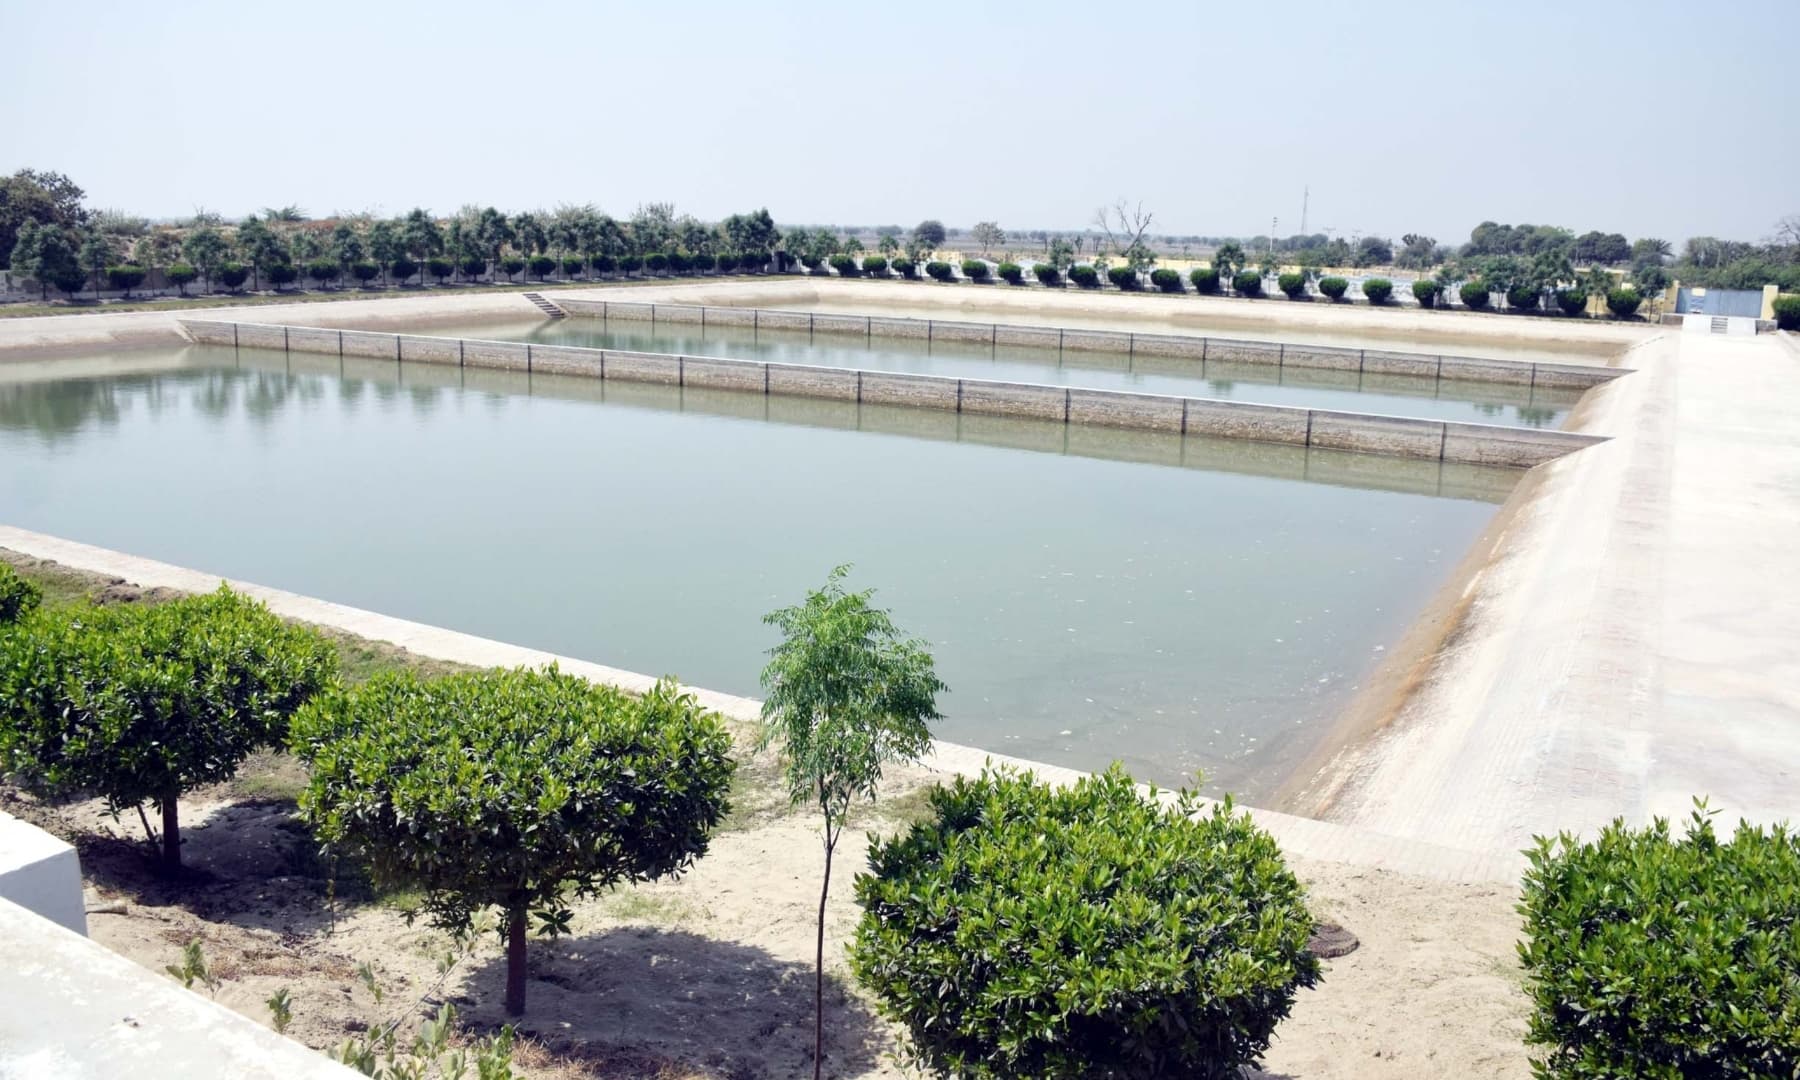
{"x": 1398, "y": 395}
{"x": 1090, "y": 595}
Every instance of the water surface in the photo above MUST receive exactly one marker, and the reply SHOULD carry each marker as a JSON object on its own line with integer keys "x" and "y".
{"x": 1180, "y": 604}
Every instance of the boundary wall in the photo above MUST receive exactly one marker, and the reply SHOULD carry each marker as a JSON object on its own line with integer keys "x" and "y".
{"x": 1275, "y": 354}
{"x": 1475, "y": 444}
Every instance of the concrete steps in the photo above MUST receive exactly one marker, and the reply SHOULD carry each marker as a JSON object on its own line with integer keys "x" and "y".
{"x": 545, "y": 306}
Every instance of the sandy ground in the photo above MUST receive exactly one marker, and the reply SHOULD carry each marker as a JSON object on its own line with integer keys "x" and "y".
{"x": 710, "y": 976}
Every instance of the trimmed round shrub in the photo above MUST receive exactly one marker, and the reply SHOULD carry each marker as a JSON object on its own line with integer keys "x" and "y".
{"x": 472, "y": 266}
{"x": 403, "y": 268}
{"x": 1571, "y": 301}
{"x": 1046, "y": 274}
{"x": 678, "y": 263}
{"x": 1623, "y": 301}
{"x": 1523, "y": 298}
{"x": 1656, "y": 956}
{"x": 1011, "y": 273}
{"x": 323, "y": 271}
{"x": 656, "y": 262}
{"x": 365, "y": 272}
{"x": 1249, "y": 283}
{"x": 1474, "y": 295}
{"x": 1123, "y": 277}
{"x": 702, "y": 263}
{"x": 572, "y": 265}
{"x": 939, "y": 271}
{"x": 1333, "y": 288}
{"x": 631, "y": 264}
{"x": 1787, "y": 312}
{"x": 1378, "y": 290}
{"x": 1425, "y": 291}
{"x": 541, "y": 265}
{"x": 1165, "y": 279}
{"x": 875, "y": 265}
{"x": 233, "y": 275}
{"x": 1085, "y": 276}
{"x": 146, "y": 702}
{"x": 975, "y": 269}
{"x": 126, "y": 277}
{"x": 845, "y": 265}
{"x": 1293, "y": 284}
{"x": 514, "y": 790}
{"x": 287, "y": 273}
{"x": 753, "y": 260}
{"x": 605, "y": 264}
{"x": 1082, "y": 932}
{"x": 1205, "y": 280}
{"x": 18, "y": 597}
{"x": 181, "y": 275}
{"x": 905, "y": 267}
{"x": 511, "y": 265}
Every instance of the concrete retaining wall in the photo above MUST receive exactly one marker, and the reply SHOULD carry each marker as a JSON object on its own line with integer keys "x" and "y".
{"x": 41, "y": 874}
{"x": 1327, "y": 429}
{"x": 1324, "y": 357}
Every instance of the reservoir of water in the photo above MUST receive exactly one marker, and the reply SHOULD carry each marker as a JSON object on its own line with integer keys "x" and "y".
{"x": 1179, "y": 604}
{"x": 1397, "y": 395}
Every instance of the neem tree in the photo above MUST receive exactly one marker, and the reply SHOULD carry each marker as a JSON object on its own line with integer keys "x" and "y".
{"x": 847, "y": 693}
{"x": 144, "y": 703}
{"x": 512, "y": 790}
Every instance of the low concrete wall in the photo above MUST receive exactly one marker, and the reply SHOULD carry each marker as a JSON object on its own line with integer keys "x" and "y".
{"x": 41, "y": 874}
{"x": 1360, "y": 432}
{"x": 1275, "y": 354}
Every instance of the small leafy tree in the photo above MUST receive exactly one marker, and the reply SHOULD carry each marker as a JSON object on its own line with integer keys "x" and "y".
{"x": 402, "y": 268}
{"x": 1378, "y": 290}
{"x": 1205, "y": 280}
{"x": 512, "y": 790}
{"x": 18, "y": 597}
{"x": 1082, "y": 932}
{"x": 1523, "y": 298}
{"x": 1623, "y": 302}
{"x": 323, "y": 271}
{"x": 1167, "y": 280}
{"x": 875, "y": 265}
{"x": 1425, "y": 291}
{"x": 975, "y": 269}
{"x": 1229, "y": 259}
{"x": 282, "y": 273}
{"x": 1787, "y": 312}
{"x": 1293, "y": 283}
{"x": 575, "y": 264}
{"x": 1047, "y": 274}
{"x": 1474, "y": 295}
{"x": 1334, "y": 287}
{"x": 605, "y": 264}
{"x": 511, "y": 265}
{"x": 847, "y": 694}
{"x": 145, "y": 703}
{"x": 181, "y": 275}
{"x": 1124, "y": 278}
{"x": 472, "y": 267}
{"x": 364, "y": 272}
{"x": 1648, "y": 955}
{"x": 1084, "y": 276}
{"x": 1011, "y": 273}
{"x": 125, "y": 277}
{"x": 845, "y": 265}
{"x": 905, "y": 267}
{"x": 233, "y": 275}
{"x": 1249, "y": 283}
{"x": 656, "y": 262}
{"x": 542, "y": 265}
{"x": 939, "y": 270}
{"x": 1571, "y": 301}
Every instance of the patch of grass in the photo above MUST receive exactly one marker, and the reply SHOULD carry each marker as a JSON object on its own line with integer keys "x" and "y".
{"x": 758, "y": 793}
{"x": 60, "y": 584}
{"x": 359, "y": 658}
{"x": 632, "y": 905}
{"x": 269, "y": 776}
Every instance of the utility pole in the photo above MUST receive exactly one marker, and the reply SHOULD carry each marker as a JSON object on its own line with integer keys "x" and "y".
{"x": 1305, "y": 198}
{"x": 1274, "y": 225}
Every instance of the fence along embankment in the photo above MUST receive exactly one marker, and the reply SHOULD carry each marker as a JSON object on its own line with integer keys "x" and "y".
{"x": 1475, "y": 444}
{"x": 1273, "y": 354}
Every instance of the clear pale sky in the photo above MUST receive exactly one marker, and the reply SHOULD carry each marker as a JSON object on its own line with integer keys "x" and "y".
{"x": 1645, "y": 118}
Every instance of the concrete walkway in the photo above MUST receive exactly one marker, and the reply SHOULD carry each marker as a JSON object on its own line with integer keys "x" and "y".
{"x": 1635, "y": 639}
{"x": 1320, "y": 840}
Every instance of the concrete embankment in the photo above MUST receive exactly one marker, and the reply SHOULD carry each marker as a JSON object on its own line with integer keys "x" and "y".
{"x": 1438, "y": 440}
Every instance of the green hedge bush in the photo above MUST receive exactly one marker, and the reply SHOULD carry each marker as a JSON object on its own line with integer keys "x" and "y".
{"x": 323, "y": 271}
{"x": 18, "y": 597}
{"x": 1081, "y": 932}
{"x": 1378, "y": 290}
{"x": 1648, "y": 955}
{"x": 752, "y": 260}
{"x": 542, "y": 265}
{"x": 511, "y": 265}
{"x": 572, "y": 265}
{"x": 402, "y": 268}
{"x": 1123, "y": 277}
{"x": 1293, "y": 284}
{"x": 678, "y": 262}
{"x": 1011, "y": 273}
{"x": 232, "y": 275}
{"x": 631, "y": 264}
{"x": 875, "y": 265}
{"x": 473, "y": 266}
{"x": 126, "y": 277}
{"x": 365, "y": 272}
{"x": 1623, "y": 301}
{"x": 181, "y": 275}
{"x": 1046, "y": 274}
{"x": 1787, "y": 312}
{"x": 1571, "y": 301}
{"x": 1249, "y": 283}
{"x": 283, "y": 273}
{"x": 1474, "y": 295}
{"x": 1165, "y": 279}
{"x": 939, "y": 271}
{"x": 1425, "y": 291}
{"x": 144, "y": 703}
{"x": 975, "y": 269}
{"x": 656, "y": 262}
{"x": 1523, "y": 298}
{"x": 844, "y": 265}
{"x": 605, "y": 264}
{"x": 1334, "y": 288}
{"x": 1205, "y": 280}
{"x": 905, "y": 267}
{"x": 1085, "y": 276}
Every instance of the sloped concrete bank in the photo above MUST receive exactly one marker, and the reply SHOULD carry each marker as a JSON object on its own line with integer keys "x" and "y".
{"x": 1479, "y": 444}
